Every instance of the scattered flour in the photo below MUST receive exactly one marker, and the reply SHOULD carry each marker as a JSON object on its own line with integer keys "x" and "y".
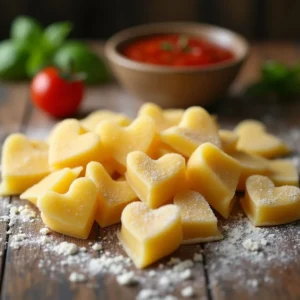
{"x": 45, "y": 240}
{"x": 27, "y": 212}
{"x": 77, "y": 277}
{"x": 97, "y": 247}
{"x": 251, "y": 245}
{"x": 152, "y": 273}
{"x": 147, "y": 294}
{"x": 108, "y": 264}
{"x": 264, "y": 242}
{"x": 198, "y": 257}
{"x": 187, "y": 292}
{"x": 127, "y": 278}
{"x": 174, "y": 261}
{"x": 186, "y": 274}
{"x": 18, "y": 241}
{"x": 183, "y": 265}
{"x": 164, "y": 281}
{"x": 242, "y": 242}
{"x": 21, "y": 214}
{"x": 246, "y": 250}
{"x": 65, "y": 248}
{"x": 253, "y": 283}
{"x": 151, "y": 294}
{"x": 45, "y": 231}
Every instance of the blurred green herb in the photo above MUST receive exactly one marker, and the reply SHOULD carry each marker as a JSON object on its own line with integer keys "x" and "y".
{"x": 183, "y": 43}
{"x": 83, "y": 61}
{"x": 27, "y": 30}
{"x": 13, "y": 57}
{"x": 55, "y": 34}
{"x": 166, "y": 46}
{"x": 37, "y": 60}
{"x": 32, "y": 47}
{"x": 278, "y": 79}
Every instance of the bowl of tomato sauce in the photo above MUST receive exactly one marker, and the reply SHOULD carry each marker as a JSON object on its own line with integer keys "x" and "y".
{"x": 176, "y": 64}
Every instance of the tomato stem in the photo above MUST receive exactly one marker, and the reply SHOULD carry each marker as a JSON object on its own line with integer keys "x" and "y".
{"x": 69, "y": 73}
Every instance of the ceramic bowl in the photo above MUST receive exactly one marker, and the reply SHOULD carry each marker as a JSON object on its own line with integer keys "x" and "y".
{"x": 176, "y": 86}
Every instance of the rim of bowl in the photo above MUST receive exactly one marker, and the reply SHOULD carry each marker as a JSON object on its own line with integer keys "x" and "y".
{"x": 113, "y": 54}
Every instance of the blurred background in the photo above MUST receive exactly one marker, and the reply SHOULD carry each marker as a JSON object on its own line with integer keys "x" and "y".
{"x": 96, "y": 19}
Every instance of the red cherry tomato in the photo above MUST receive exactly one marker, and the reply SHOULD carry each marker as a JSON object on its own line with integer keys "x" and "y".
{"x": 56, "y": 95}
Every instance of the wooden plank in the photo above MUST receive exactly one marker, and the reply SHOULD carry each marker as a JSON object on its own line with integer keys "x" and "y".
{"x": 112, "y": 97}
{"x": 271, "y": 273}
{"x": 28, "y": 270}
{"x": 4, "y": 210}
{"x": 32, "y": 271}
{"x": 13, "y": 99}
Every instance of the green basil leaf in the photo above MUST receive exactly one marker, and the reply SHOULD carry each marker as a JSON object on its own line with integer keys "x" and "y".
{"x": 37, "y": 60}
{"x": 83, "y": 60}
{"x": 56, "y": 33}
{"x": 273, "y": 71}
{"x": 12, "y": 60}
{"x": 277, "y": 78}
{"x": 27, "y": 30}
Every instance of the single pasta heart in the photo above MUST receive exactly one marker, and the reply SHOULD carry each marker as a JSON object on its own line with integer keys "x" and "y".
{"x": 267, "y": 205}
{"x": 24, "y": 163}
{"x": 91, "y": 121}
{"x": 71, "y": 146}
{"x": 155, "y": 181}
{"x": 251, "y": 165}
{"x": 58, "y": 181}
{"x": 119, "y": 141}
{"x": 195, "y": 128}
{"x": 198, "y": 220}
{"x": 72, "y": 213}
{"x": 214, "y": 174}
{"x": 163, "y": 118}
{"x": 254, "y": 139}
{"x": 283, "y": 172}
{"x": 113, "y": 195}
{"x": 148, "y": 235}
{"x": 229, "y": 140}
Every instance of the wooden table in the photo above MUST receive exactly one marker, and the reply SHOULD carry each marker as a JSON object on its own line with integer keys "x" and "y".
{"x": 228, "y": 270}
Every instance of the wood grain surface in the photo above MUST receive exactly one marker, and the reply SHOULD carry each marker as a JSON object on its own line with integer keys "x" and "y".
{"x": 32, "y": 273}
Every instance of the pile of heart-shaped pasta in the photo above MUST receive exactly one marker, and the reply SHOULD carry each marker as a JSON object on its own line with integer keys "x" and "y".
{"x": 162, "y": 175}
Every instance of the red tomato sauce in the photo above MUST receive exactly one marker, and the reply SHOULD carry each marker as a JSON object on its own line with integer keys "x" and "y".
{"x": 176, "y": 50}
